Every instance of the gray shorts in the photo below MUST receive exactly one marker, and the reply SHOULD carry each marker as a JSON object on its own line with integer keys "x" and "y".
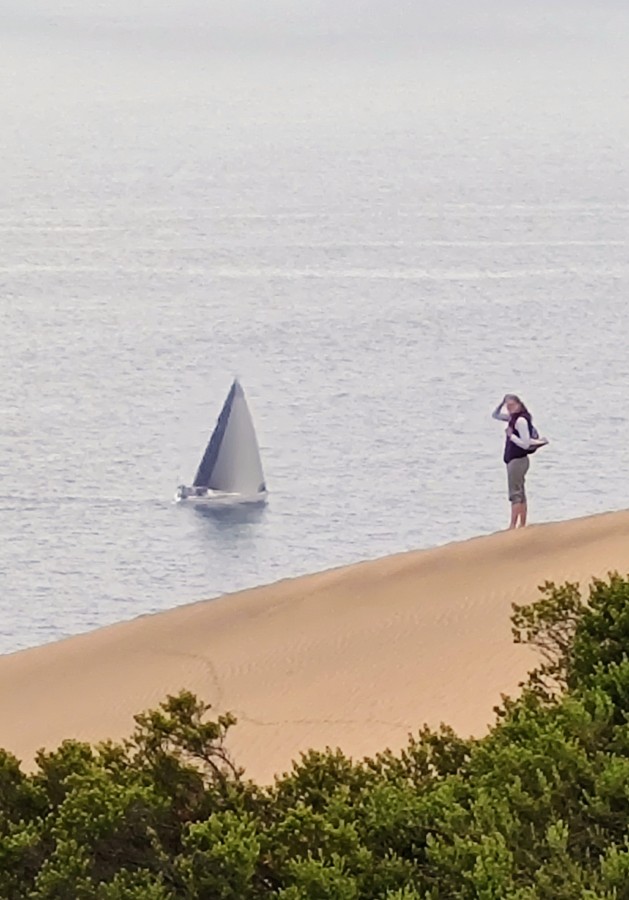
{"x": 516, "y": 474}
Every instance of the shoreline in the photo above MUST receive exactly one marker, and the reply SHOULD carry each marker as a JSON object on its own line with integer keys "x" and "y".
{"x": 357, "y": 656}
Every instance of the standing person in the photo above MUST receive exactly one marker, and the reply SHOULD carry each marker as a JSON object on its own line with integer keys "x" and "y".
{"x": 520, "y": 434}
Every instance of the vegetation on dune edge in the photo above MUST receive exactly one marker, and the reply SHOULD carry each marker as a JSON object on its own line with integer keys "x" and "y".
{"x": 539, "y": 808}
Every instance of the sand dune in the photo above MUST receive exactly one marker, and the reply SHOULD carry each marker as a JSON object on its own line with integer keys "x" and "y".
{"x": 355, "y": 657}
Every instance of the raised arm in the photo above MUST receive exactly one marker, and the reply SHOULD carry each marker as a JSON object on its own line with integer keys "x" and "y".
{"x": 499, "y": 414}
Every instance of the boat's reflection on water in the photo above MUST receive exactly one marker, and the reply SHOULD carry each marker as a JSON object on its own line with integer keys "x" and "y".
{"x": 224, "y": 517}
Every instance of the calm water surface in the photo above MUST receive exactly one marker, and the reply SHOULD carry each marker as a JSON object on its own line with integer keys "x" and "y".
{"x": 378, "y": 248}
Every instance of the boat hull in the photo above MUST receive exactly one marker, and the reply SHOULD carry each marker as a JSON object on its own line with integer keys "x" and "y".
{"x": 219, "y": 498}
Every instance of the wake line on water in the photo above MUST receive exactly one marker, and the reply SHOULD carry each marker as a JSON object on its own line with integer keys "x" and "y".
{"x": 322, "y": 274}
{"x": 9, "y": 502}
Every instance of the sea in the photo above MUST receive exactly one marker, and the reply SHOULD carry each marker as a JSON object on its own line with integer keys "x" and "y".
{"x": 379, "y": 225}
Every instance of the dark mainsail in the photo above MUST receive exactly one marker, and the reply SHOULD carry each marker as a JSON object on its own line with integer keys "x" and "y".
{"x": 203, "y": 478}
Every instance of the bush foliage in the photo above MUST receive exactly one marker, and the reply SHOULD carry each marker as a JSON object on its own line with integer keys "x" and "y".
{"x": 538, "y": 808}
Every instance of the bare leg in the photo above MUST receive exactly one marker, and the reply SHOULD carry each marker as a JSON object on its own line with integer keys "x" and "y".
{"x": 518, "y": 515}
{"x": 523, "y": 513}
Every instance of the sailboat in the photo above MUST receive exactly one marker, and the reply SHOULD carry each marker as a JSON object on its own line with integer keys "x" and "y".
{"x": 230, "y": 471}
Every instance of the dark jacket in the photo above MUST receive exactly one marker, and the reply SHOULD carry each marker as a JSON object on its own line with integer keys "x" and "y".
{"x": 512, "y": 451}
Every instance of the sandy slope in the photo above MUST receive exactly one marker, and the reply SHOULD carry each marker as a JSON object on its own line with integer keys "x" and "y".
{"x": 354, "y": 657}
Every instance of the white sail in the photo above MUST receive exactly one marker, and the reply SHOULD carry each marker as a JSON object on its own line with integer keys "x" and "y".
{"x": 231, "y": 462}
